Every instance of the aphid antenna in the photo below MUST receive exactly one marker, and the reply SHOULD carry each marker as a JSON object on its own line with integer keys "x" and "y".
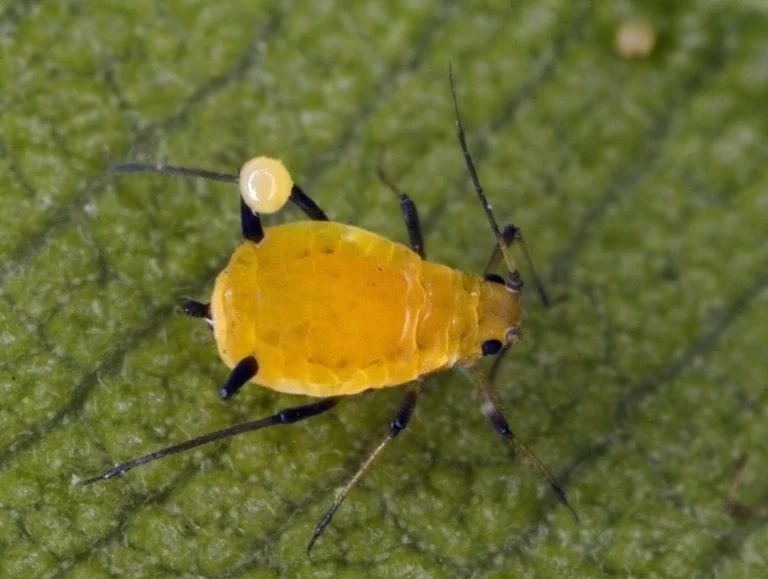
{"x": 476, "y": 179}
{"x": 174, "y": 170}
{"x": 515, "y": 281}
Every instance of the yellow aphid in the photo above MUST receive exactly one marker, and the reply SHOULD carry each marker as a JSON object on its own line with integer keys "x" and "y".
{"x": 327, "y": 310}
{"x": 330, "y": 309}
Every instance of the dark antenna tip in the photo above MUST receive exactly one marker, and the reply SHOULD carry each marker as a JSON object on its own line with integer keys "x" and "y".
{"x": 563, "y": 500}
{"x": 310, "y": 545}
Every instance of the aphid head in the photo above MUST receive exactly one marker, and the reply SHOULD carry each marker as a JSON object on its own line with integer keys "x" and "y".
{"x": 498, "y": 316}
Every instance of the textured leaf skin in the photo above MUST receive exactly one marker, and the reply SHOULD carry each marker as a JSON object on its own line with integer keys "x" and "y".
{"x": 641, "y": 186}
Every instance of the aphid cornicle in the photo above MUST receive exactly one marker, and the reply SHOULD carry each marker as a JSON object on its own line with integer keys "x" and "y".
{"x": 325, "y": 309}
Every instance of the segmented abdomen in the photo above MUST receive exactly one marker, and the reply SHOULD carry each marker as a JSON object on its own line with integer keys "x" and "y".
{"x": 331, "y": 309}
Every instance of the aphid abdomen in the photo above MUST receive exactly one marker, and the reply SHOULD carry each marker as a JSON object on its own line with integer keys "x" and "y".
{"x": 325, "y": 308}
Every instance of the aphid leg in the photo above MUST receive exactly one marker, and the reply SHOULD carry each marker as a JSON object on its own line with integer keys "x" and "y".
{"x": 306, "y": 204}
{"x": 410, "y": 215}
{"x": 243, "y": 371}
{"x": 251, "y": 223}
{"x": 398, "y": 424}
{"x": 286, "y": 416}
{"x": 513, "y": 235}
{"x": 196, "y": 309}
{"x": 500, "y": 425}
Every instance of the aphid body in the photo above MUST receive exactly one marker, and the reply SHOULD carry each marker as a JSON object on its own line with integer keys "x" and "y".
{"x": 330, "y": 309}
{"x": 327, "y": 310}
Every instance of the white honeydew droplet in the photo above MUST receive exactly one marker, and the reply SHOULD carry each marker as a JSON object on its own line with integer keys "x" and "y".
{"x": 265, "y": 184}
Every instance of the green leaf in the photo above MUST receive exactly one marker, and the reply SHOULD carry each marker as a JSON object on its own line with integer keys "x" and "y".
{"x": 642, "y": 189}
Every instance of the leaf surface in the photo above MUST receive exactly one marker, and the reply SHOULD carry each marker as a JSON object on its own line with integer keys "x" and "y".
{"x": 642, "y": 189}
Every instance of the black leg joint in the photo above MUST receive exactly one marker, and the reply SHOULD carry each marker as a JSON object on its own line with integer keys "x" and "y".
{"x": 250, "y": 223}
{"x": 241, "y": 373}
{"x": 196, "y": 309}
{"x": 500, "y": 425}
{"x": 403, "y": 416}
{"x": 511, "y": 233}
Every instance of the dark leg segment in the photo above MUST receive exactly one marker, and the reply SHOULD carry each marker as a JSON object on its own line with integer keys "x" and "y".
{"x": 287, "y": 416}
{"x": 410, "y": 215}
{"x": 196, "y": 309}
{"x": 251, "y": 223}
{"x": 241, "y": 373}
{"x": 398, "y": 424}
{"x": 306, "y": 204}
{"x": 500, "y": 425}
